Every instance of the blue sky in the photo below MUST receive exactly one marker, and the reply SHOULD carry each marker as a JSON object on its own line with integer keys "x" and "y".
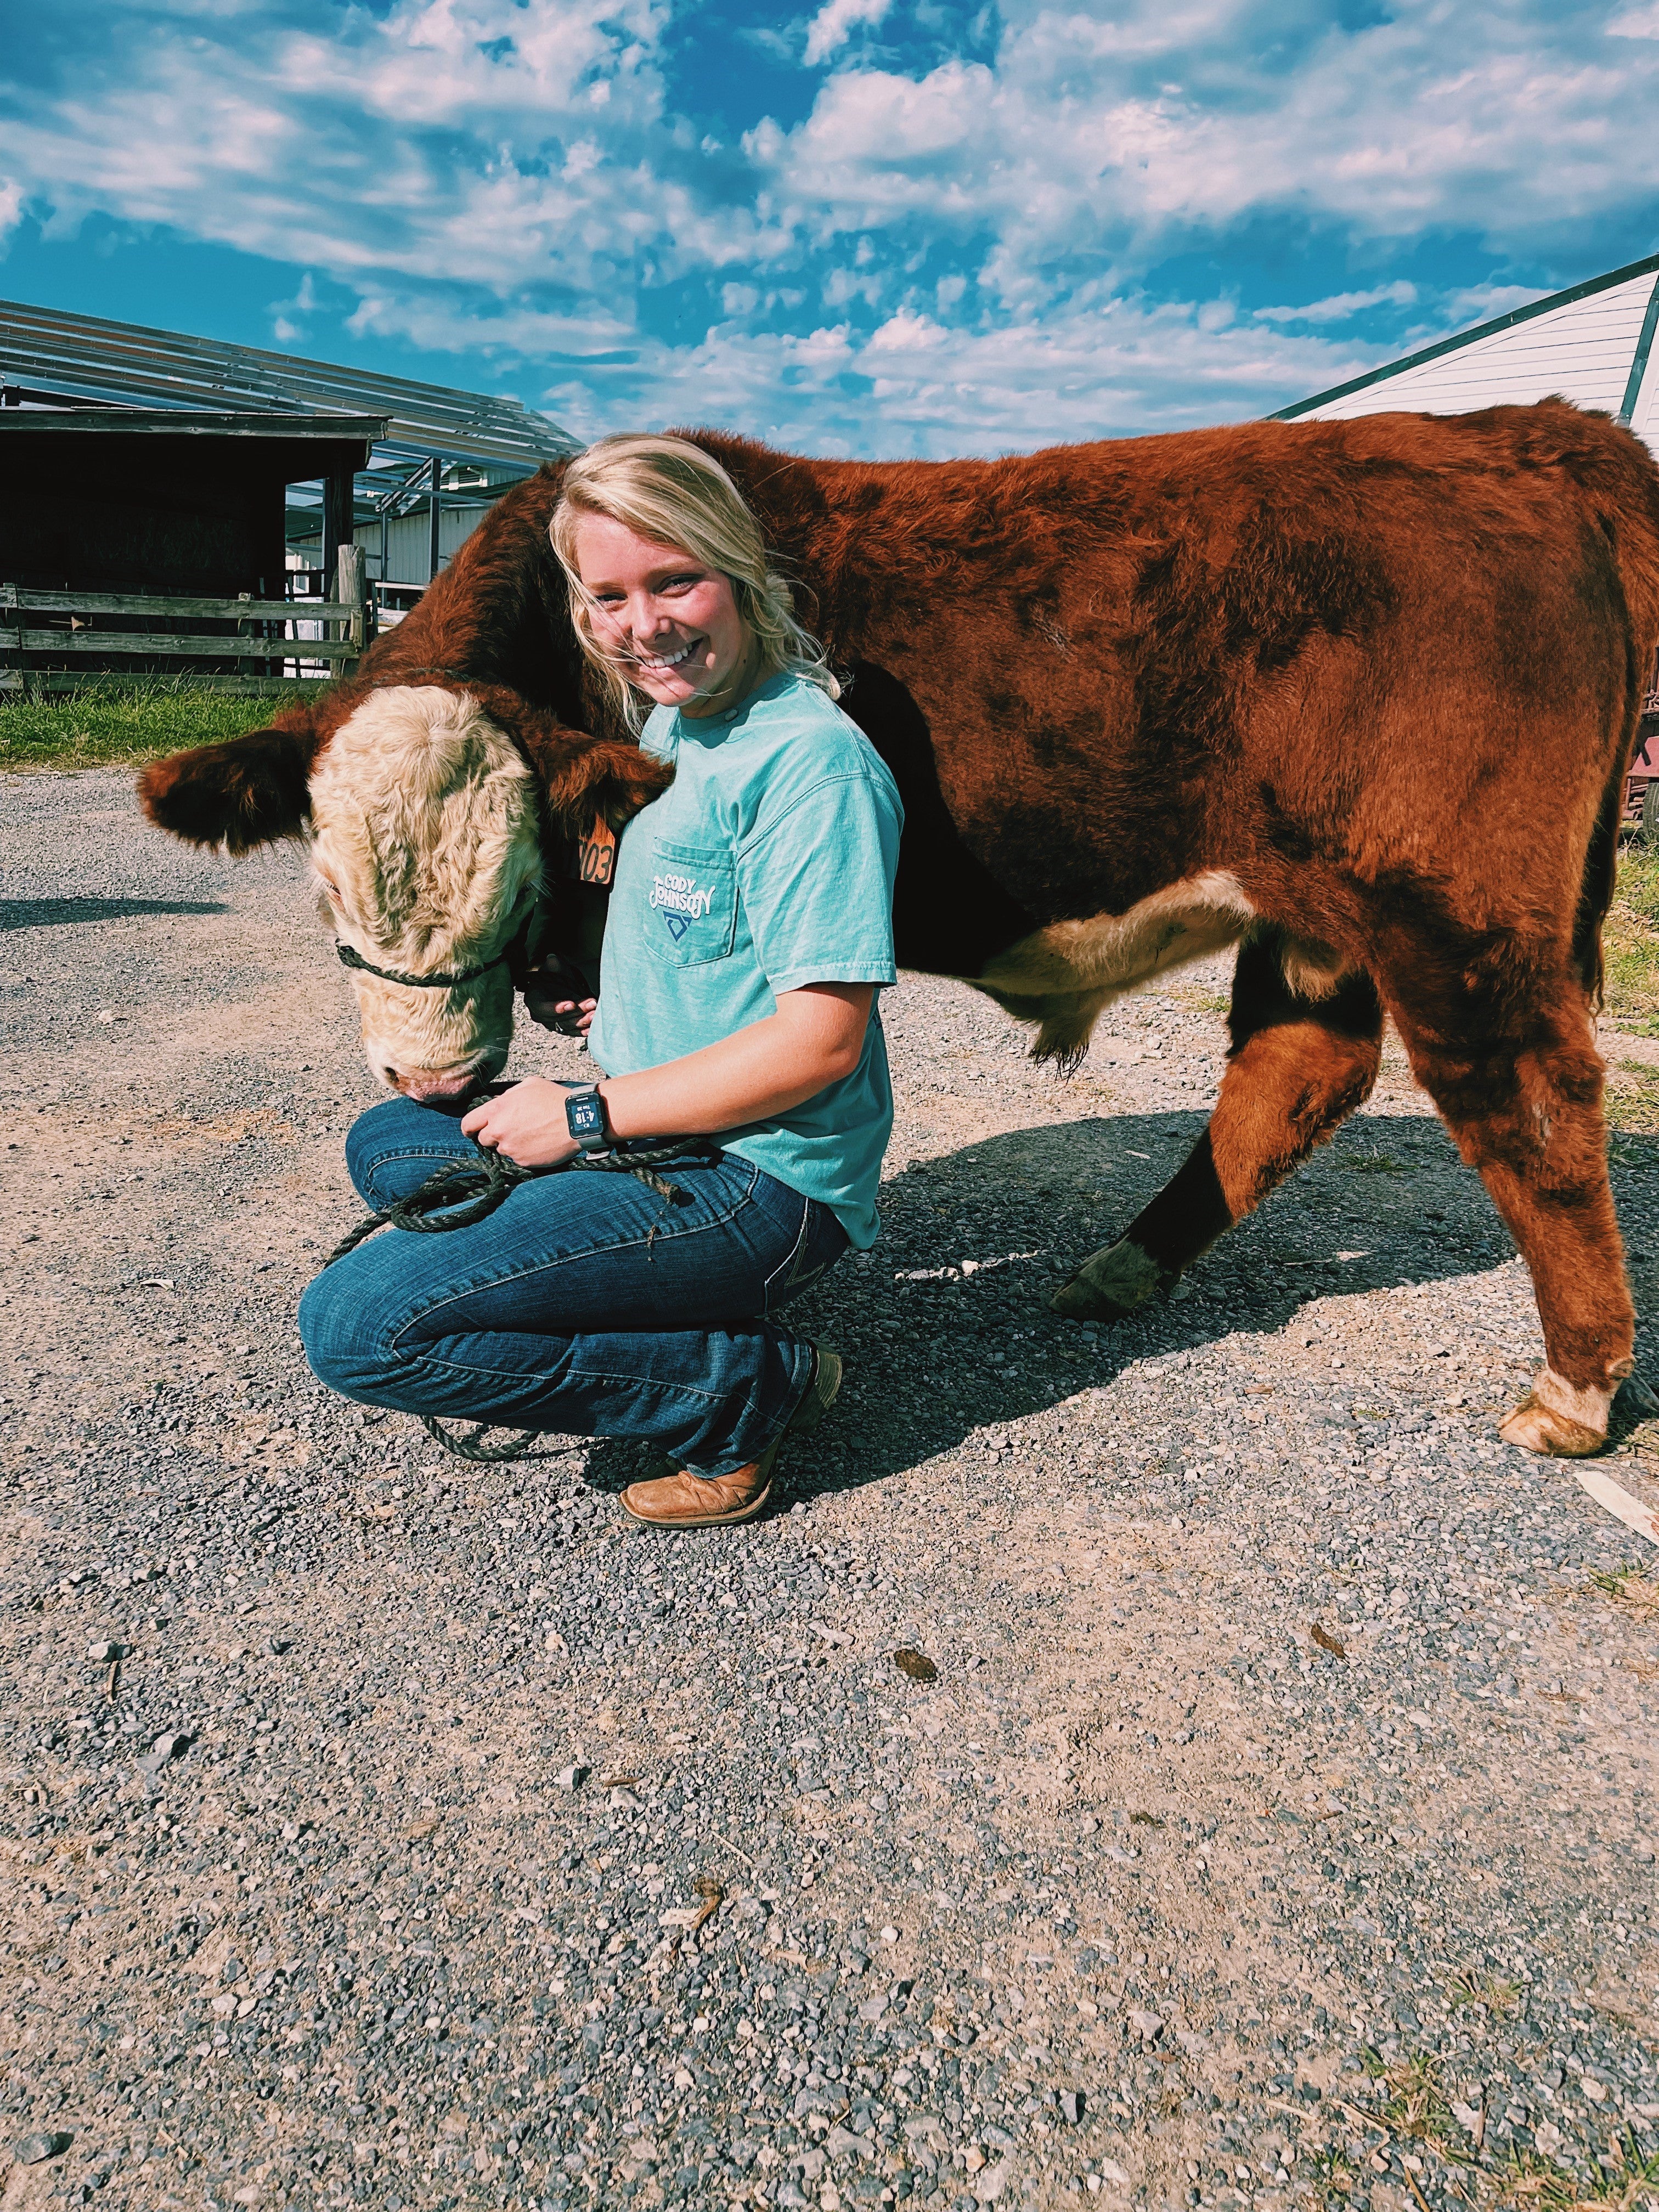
{"x": 880, "y": 227}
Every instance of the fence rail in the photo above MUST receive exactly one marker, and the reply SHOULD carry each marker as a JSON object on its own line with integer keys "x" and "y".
{"x": 149, "y": 643}
{"x": 342, "y": 625}
{"x": 123, "y": 603}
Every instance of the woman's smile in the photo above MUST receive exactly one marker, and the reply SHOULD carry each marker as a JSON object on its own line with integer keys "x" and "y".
{"x": 644, "y": 660}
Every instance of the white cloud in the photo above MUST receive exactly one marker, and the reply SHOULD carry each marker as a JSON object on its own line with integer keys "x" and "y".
{"x": 914, "y": 387}
{"x": 286, "y": 328}
{"x": 1341, "y": 306}
{"x": 11, "y": 209}
{"x": 438, "y": 324}
{"x": 398, "y": 144}
{"x": 1089, "y": 135}
{"x": 961, "y": 249}
{"x": 835, "y": 23}
{"x": 1482, "y": 303}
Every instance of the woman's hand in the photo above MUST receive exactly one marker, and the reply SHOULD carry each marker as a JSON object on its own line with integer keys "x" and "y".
{"x": 558, "y": 994}
{"x": 526, "y": 1124}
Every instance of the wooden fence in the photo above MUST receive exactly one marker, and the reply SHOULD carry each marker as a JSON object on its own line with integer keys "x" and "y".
{"x": 63, "y": 652}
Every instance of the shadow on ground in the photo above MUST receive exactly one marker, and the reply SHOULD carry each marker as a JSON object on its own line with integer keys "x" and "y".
{"x": 934, "y": 1354}
{"x": 42, "y": 914}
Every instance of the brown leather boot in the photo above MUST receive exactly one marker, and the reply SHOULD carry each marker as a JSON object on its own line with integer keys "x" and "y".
{"x": 695, "y": 1501}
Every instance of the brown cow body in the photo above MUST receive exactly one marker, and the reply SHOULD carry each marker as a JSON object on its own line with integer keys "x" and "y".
{"x": 1359, "y": 694}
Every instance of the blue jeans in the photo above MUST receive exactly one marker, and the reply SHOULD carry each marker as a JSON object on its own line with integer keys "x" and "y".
{"x": 586, "y": 1303}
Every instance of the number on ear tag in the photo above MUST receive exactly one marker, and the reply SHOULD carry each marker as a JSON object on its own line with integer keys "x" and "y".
{"x": 596, "y": 855}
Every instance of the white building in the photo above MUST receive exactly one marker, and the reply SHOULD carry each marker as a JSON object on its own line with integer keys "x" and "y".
{"x": 1593, "y": 345}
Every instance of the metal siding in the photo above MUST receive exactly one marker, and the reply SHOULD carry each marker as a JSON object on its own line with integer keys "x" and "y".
{"x": 406, "y": 542}
{"x": 1583, "y": 350}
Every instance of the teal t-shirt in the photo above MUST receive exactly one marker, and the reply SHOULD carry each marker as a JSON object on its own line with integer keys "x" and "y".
{"x": 767, "y": 864}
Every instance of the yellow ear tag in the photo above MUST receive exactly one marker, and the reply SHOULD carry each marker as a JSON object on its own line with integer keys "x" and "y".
{"x": 596, "y": 855}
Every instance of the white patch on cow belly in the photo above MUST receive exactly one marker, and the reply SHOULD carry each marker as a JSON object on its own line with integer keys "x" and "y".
{"x": 1066, "y": 975}
{"x": 1114, "y": 952}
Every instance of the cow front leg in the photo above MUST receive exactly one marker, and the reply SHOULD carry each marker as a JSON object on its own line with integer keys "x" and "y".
{"x": 1518, "y": 1080}
{"x": 1297, "y": 1066}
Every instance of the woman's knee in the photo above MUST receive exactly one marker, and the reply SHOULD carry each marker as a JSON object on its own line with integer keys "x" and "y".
{"x": 347, "y": 1346}
{"x": 401, "y": 1142}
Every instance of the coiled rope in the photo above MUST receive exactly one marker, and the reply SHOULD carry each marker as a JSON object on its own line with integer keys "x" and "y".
{"x": 465, "y": 1192}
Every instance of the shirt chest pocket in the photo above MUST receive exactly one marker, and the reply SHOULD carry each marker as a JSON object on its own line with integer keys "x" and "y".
{"x": 692, "y": 914}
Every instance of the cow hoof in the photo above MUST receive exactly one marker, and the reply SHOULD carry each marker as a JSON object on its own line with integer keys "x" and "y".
{"x": 1112, "y": 1284}
{"x": 1558, "y": 1419}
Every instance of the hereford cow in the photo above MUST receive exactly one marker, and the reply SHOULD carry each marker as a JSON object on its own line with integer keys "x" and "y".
{"x": 1357, "y": 697}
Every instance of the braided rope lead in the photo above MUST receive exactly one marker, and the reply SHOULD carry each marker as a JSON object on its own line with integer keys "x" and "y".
{"x": 463, "y": 1193}
{"x": 454, "y": 1197}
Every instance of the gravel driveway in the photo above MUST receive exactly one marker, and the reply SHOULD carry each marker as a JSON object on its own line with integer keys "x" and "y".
{"x": 1269, "y": 1819}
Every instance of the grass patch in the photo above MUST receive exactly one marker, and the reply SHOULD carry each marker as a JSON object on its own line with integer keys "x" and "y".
{"x": 1488, "y": 1990}
{"x": 1630, "y": 1588}
{"x": 1418, "y": 2113}
{"x": 1418, "y": 2109}
{"x": 109, "y": 726}
{"x": 1630, "y": 939}
{"x": 1618, "y": 2181}
{"x": 1632, "y": 1098}
{"x": 1631, "y": 1104}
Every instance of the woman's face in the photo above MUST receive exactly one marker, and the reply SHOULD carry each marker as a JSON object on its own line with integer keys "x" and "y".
{"x": 672, "y": 624}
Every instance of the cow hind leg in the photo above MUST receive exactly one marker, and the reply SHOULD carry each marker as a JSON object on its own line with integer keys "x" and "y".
{"x": 1512, "y": 1066}
{"x": 1306, "y": 1048}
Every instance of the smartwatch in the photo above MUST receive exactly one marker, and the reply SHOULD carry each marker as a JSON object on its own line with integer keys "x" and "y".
{"x": 584, "y": 1115}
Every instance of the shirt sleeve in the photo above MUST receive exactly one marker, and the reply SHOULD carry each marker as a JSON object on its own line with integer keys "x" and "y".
{"x": 816, "y": 885}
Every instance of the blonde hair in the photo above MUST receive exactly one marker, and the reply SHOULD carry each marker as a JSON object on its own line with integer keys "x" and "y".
{"x": 674, "y": 494}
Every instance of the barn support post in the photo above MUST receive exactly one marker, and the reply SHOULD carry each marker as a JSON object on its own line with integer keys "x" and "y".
{"x": 352, "y": 593}
{"x": 339, "y": 519}
{"x": 435, "y": 512}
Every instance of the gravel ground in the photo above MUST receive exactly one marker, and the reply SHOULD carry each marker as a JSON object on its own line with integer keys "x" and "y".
{"x": 1270, "y": 1822}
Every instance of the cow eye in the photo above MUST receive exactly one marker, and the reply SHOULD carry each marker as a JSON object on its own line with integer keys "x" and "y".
{"x": 333, "y": 889}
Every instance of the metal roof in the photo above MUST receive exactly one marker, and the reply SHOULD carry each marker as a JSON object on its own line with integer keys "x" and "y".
{"x": 1598, "y": 349}
{"x": 186, "y": 423}
{"x": 84, "y": 357}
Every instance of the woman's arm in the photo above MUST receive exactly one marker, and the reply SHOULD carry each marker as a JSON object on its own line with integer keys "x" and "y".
{"x": 814, "y": 1039}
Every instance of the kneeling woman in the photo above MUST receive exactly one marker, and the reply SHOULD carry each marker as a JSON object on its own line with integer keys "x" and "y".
{"x": 749, "y": 929}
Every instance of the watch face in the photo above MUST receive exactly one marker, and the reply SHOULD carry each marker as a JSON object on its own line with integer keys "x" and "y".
{"x": 585, "y": 1116}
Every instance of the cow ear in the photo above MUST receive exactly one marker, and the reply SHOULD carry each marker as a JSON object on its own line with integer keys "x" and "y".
{"x": 605, "y": 777}
{"x": 251, "y": 791}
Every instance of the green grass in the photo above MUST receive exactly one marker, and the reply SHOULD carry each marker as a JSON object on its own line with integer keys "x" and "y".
{"x": 1632, "y": 940}
{"x": 110, "y": 726}
{"x": 1632, "y": 1102}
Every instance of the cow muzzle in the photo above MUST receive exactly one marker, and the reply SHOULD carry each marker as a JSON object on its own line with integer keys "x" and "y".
{"x": 444, "y": 1086}
{"x": 436, "y": 1045}
{"x": 438, "y": 1037}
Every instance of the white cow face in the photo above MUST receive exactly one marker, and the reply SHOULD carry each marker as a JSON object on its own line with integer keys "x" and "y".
{"x": 424, "y": 837}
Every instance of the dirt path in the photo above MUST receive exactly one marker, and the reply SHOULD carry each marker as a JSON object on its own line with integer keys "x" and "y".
{"x": 1280, "y": 1812}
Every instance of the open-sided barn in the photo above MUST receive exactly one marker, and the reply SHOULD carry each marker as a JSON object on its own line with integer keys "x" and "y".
{"x": 424, "y": 465}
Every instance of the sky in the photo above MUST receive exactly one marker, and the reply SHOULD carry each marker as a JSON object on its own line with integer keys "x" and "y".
{"x": 881, "y": 228}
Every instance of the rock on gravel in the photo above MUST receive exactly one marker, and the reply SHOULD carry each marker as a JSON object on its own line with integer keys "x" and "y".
{"x": 1145, "y": 1892}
